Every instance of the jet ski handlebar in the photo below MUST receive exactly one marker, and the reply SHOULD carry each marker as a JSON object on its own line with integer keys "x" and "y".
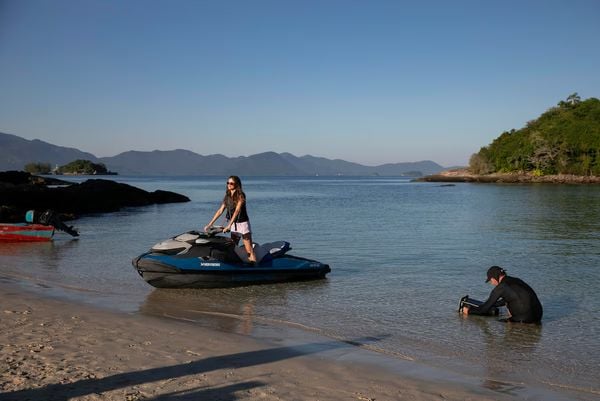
{"x": 214, "y": 230}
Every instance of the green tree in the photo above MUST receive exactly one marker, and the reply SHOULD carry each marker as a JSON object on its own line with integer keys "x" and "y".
{"x": 478, "y": 164}
{"x": 38, "y": 168}
{"x": 573, "y": 99}
{"x": 544, "y": 154}
{"x": 83, "y": 167}
{"x": 564, "y": 139}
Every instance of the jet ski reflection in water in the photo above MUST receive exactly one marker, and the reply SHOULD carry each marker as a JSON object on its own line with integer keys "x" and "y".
{"x": 208, "y": 260}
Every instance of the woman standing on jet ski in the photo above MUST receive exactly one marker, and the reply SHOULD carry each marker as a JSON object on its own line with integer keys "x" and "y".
{"x": 238, "y": 221}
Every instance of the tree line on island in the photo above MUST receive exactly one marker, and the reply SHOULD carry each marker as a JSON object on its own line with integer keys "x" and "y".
{"x": 563, "y": 140}
{"x": 83, "y": 167}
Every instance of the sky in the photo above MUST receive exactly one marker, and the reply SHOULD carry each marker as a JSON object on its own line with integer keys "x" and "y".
{"x": 370, "y": 82}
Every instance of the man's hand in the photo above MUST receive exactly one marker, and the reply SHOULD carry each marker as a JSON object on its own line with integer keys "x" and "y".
{"x": 464, "y": 310}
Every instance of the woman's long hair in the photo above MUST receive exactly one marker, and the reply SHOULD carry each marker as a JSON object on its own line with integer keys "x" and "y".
{"x": 239, "y": 193}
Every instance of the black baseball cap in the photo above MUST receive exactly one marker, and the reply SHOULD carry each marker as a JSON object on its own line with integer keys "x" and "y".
{"x": 495, "y": 272}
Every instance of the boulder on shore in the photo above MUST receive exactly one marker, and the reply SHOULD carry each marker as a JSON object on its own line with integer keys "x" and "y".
{"x": 21, "y": 191}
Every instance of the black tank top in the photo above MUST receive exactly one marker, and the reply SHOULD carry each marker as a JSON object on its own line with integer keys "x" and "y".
{"x": 231, "y": 204}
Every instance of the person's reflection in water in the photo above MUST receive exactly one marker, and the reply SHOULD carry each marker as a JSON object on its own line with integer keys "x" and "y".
{"x": 507, "y": 346}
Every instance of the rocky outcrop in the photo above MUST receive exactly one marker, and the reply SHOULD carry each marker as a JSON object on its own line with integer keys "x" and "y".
{"x": 8, "y": 178}
{"x": 509, "y": 178}
{"x": 20, "y": 192}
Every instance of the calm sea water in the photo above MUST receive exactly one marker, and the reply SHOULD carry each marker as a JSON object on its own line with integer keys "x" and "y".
{"x": 401, "y": 253}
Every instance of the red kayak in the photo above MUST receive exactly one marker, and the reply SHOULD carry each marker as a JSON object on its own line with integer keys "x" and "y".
{"x": 25, "y": 232}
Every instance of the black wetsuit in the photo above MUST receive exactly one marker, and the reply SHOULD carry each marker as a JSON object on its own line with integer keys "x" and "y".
{"x": 520, "y": 299}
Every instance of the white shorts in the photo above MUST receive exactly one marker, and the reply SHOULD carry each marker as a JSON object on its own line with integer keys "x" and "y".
{"x": 241, "y": 228}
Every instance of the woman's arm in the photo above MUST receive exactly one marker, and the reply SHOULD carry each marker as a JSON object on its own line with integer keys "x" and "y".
{"x": 218, "y": 213}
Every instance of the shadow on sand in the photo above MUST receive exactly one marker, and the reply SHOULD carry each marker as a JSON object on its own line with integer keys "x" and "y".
{"x": 64, "y": 392}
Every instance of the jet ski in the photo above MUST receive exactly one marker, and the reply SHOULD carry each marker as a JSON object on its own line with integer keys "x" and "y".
{"x": 208, "y": 260}
{"x": 475, "y": 303}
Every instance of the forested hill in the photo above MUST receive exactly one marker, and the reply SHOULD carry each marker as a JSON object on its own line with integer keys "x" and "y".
{"x": 563, "y": 140}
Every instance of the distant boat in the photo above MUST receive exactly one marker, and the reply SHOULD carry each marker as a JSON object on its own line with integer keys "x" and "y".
{"x": 17, "y": 232}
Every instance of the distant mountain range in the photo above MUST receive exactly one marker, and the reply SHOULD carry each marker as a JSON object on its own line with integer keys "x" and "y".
{"x": 16, "y": 152}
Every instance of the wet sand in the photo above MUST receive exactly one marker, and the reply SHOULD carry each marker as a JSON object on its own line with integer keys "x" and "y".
{"x": 51, "y": 349}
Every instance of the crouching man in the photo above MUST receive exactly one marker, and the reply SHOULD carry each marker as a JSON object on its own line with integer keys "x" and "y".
{"x": 518, "y": 297}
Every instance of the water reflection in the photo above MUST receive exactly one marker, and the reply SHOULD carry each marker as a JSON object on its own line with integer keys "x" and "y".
{"x": 219, "y": 309}
{"x": 504, "y": 345}
{"x": 562, "y": 212}
{"x": 236, "y": 310}
{"x": 24, "y": 248}
{"x": 50, "y": 253}
{"x": 27, "y": 248}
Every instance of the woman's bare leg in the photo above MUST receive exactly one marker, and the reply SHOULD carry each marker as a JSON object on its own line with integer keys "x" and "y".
{"x": 247, "y": 238}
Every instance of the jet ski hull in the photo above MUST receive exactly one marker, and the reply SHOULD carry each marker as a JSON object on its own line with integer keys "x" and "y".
{"x": 164, "y": 271}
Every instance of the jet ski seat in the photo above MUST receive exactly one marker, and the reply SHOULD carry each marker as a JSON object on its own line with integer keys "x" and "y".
{"x": 265, "y": 251}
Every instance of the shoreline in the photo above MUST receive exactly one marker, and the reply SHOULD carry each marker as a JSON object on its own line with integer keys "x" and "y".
{"x": 57, "y": 350}
{"x": 463, "y": 175}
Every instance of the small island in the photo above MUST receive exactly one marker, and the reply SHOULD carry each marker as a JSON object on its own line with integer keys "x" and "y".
{"x": 560, "y": 146}
{"x": 77, "y": 167}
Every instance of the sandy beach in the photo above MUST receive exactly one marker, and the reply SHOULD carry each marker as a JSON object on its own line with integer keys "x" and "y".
{"x": 56, "y": 350}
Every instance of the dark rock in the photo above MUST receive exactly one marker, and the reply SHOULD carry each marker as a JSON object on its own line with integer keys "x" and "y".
{"x": 159, "y": 197}
{"x": 15, "y": 177}
{"x": 91, "y": 196}
{"x": 11, "y": 178}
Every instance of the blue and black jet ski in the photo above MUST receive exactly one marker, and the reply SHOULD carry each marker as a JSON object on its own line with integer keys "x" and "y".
{"x": 207, "y": 260}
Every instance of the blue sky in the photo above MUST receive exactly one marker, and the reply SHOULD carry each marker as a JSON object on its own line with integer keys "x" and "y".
{"x": 366, "y": 81}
